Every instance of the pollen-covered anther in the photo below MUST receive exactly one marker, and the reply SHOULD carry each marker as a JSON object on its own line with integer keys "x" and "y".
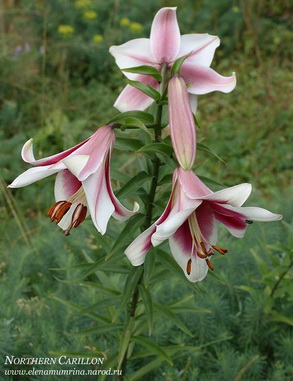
{"x": 211, "y": 267}
{"x": 201, "y": 255}
{"x": 58, "y": 210}
{"x": 78, "y": 217}
{"x": 220, "y": 249}
{"x": 188, "y": 267}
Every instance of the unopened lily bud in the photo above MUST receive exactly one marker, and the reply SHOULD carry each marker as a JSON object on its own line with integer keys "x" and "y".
{"x": 182, "y": 126}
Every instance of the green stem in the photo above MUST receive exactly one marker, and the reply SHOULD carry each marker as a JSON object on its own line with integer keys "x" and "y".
{"x": 281, "y": 278}
{"x": 149, "y": 211}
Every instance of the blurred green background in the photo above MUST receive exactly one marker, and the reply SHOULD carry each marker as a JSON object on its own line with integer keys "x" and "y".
{"x": 58, "y": 83}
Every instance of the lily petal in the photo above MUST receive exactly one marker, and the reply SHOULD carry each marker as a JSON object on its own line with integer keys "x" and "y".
{"x": 191, "y": 185}
{"x": 201, "y": 46}
{"x": 207, "y": 223}
{"x": 133, "y": 99}
{"x": 28, "y": 154}
{"x": 205, "y": 80}
{"x": 165, "y": 36}
{"x": 256, "y": 214}
{"x": 133, "y": 53}
{"x": 137, "y": 250}
{"x": 235, "y": 196}
{"x": 193, "y": 102}
{"x": 182, "y": 254}
{"x": 98, "y": 199}
{"x": 66, "y": 184}
{"x": 34, "y": 174}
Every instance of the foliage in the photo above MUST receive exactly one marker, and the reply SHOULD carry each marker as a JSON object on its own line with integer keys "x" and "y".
{"x": 60, "y": 296}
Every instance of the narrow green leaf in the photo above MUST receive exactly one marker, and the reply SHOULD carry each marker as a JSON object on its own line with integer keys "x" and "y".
{"x": 100, "y": 287}
{"x": 149, "y": 266}
{"x": 134, "y": 122}
{"x": 133, "y": 184}
{"x": 146, "y": 369}
{"x": 130, "y": 284}
{"x": 155, "y": 348}
{"x": 146, "y": 70}
{"x": 98, "y": 330}
{"x": 276, "y": 316}
{"x": 148, "y": 303}
{"x": 148, "y": 90}
{"x": 125, "y": 338}
{"x": 166, "y": 312}
{"x": 143, "y": 116}
{"x": 176, "y": 67}
{"x": 128, "y": 144}
{"x": 162, "y": 148}
{"x": 203, "y": 147}
{"x": 123, "y": 237}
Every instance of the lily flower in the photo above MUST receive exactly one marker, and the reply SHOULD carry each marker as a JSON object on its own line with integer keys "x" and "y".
{"x": 182, "y": 126}
{"x": 163, "y": 47}
{"x": 82, "y": 185}
{"x": 189, "y": 222}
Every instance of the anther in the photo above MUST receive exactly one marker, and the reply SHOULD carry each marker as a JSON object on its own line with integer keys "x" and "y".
{"x": 58, "y": 210}
{"x": 211, "y": 267}
{"x": 220, "y": 250}
{"x": 200, "y": 255}
{"x": 188, "y": 267}
{"x": 203, "y": 248}
{"x": 77, "y": 218}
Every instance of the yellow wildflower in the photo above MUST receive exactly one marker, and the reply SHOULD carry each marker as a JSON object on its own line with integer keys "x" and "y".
{"x": 136, "y": 27}
{"x": 83, "y": 3}
{"x": 90, "y": 15}
{"x": 65, "y": 30}
{"x": 98, "y": 38}
{"x": 125, "y": 22}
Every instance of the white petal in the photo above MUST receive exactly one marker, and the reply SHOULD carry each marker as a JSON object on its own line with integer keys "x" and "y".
{"x": 256, "y": 214}
{"x": 131, "y": 54}
{"x": 193, "y": 102}
{"x": 66, "y": 184}
{"x": 76, "y": 163}
{"x": 234, "y": 196}
{"x": 170, "y": 225}
{"x": 32, "y": 175}
{"x": 202, "y": 46}
{"x": 199, "y": 267}
{"x": 27, "y": 152}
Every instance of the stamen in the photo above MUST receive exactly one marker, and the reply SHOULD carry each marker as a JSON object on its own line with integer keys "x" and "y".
{"x": 200, "y": 255}
{"x": 211, "y": 267}
{"x": 202, "y": 245}
{"x": 58, "y": 210}
{"x": 78, "y": 217}
{"x": 188, "y": 267}
{"x": 220, "y": 250}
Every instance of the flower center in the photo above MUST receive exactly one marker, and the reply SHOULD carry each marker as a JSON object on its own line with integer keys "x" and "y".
{"x": 60, "y": 208}
{"x": 201, "y": 245}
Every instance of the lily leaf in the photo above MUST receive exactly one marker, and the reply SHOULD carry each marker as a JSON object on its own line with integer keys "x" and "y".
{"x": 147, "y": 89}
{"x": 166, "y": 312}
{"x": 134, "y": 122}
{"x": 203, "y": 147}
{"x": 143, "y": 116}
{"x": 155, "y": 348}
{"x": 148, "y": 303}
{"x": 176, "y": 67}
{"x": 133, "y": 184}
{"x": 162, "y": 148}
{"x": 146, "y": 70}
{"x": 128, "y": 144}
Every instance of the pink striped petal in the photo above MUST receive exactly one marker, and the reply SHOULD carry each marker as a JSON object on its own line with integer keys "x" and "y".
{"x": 207, "y": 223}
{"x": 98, "y": 200}
{"x": 133, "y": 99}
{"x": 201, "y": 46}
{"x": 255, "y": 214}
{"x": 121, "y": 213}
{"x": 236, "y": 224}
{"x": 182, "y": 127}
{"x": 165, "y": 36}
{"x": 66, "y": 184}
{"x": 133, "y": 53}
{"x": 137, "y": 250}
{"x": 181, "y": 245}
{"x": 28, "y": 155}
{"x": 204, "y": 80}
{"x": 191, "y": 185}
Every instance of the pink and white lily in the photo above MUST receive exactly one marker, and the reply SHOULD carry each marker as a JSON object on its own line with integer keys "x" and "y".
{"x": 189, "y": 222}
{"x": 181, "y": 121}
{"x": 164, "y": 46}
{"x": 82, "y": 185}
